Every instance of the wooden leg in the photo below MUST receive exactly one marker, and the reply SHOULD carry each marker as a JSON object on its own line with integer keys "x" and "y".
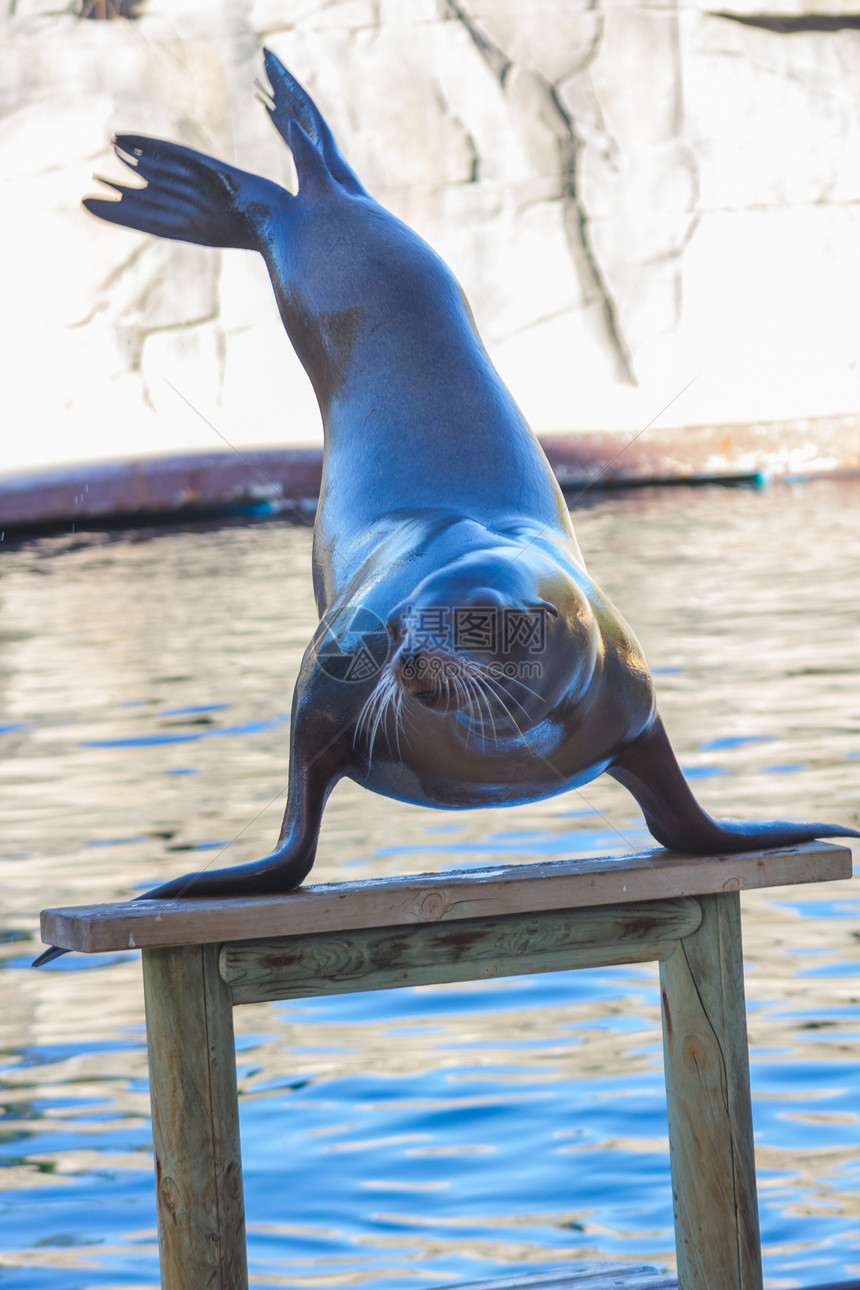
{"x": 710, "y": 1115}
{"x": 195, "y": 1120}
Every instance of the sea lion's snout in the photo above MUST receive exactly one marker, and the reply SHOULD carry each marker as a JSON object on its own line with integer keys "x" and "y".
{"x": 427, "y": 675}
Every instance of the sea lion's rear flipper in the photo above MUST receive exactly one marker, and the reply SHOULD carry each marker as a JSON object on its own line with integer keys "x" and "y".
{"x": 648, "y": 769}
{"x": 292, "y": 103}
{"x": 188, "y": 196}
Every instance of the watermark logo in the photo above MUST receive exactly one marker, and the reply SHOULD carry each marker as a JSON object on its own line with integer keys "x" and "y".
{"x": 440, "y": 667}
{"x": 356, "y": 646}
{"x": 474, "y": 629}
{"x": 356, "y": 649}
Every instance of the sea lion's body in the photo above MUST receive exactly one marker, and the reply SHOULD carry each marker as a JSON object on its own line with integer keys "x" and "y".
{"x": 436, "y": 500}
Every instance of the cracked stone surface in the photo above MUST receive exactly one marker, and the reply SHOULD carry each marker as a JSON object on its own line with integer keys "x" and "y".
{"x": 633, "y": 197}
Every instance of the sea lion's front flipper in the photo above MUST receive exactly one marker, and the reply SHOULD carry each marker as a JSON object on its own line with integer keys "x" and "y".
{"x": 317, "y": 758}
{"x": 281, "y": 871}
{"x": 316, "y": 764}
{"x": 290, "y": 102}
{"x": 188, "y": 196}
{"x": 648, "y": 769}
{"x": 284, "y": 869}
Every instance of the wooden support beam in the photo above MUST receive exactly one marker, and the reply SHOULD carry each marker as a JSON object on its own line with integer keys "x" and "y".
{"x": 469, "y": 950}
{"x": 710, "y": 1114}
{"x": 195, "y": 1121}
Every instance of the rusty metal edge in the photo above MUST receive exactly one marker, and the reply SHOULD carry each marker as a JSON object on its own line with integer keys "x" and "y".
{"x": 286, "y": 481}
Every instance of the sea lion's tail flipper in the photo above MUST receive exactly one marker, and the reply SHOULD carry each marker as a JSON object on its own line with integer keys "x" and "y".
{"x": 291, "y": 103}
{"x": 188, "y": 196}
{"x": 649, "y": 770}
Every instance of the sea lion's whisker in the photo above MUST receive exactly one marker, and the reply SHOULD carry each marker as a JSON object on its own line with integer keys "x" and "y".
{"x": 373, "y": 712}
{"x": 358, "y": 728}
{"x": 480, "y": 703}
{"x": 491, "y": 681}
{"x": 386, "y": 696}
{"x": 363, "y": 718}
{"x": 472, "y": 676}
{"x": 465, "y": 701}
{"x": 397, "y": 706}
{"x": 446, "y": 691}
{"x": 506, "y": 710}
{"x": 516, "y": 680}
{"x": 474, "y": 706}
{"x": 488, "y": 698}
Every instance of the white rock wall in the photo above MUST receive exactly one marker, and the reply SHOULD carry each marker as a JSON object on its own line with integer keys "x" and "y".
{"x": 638, "y": 200}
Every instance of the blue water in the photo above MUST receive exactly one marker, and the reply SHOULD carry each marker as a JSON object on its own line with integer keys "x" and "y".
{"x": 417, "y": 1137}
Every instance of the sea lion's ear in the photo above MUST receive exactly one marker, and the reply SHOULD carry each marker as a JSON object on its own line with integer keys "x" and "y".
{"x": 291, "y": 103}
{"x": 545, "y": 606}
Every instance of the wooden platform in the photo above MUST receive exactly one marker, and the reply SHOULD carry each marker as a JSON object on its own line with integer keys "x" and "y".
{"x": 201, "y": 957}
{"x": 440, "y": 897}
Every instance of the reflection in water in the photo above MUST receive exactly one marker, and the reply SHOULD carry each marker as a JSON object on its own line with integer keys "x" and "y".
{"x": 427, "y": 1135}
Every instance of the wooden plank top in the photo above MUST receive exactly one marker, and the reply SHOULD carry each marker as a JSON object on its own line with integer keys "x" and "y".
{"x": 421, "y": 898}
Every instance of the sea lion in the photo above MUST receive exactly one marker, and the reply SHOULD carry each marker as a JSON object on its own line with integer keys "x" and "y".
{"x": 464, "y": 656}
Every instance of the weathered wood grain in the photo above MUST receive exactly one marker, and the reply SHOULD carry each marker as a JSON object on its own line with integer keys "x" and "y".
{"x": 195, "y": 1121}
{"x": 430, "y": 898}
{"x": 471, "y": 949}
{"x": 710, "y": 1115}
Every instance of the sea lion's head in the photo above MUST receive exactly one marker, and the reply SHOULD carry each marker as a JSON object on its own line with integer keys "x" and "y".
{"x": 500, "y": 636}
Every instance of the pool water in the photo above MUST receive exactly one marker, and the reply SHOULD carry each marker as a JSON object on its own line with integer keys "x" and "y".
{"x": 424, "y": 1136}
